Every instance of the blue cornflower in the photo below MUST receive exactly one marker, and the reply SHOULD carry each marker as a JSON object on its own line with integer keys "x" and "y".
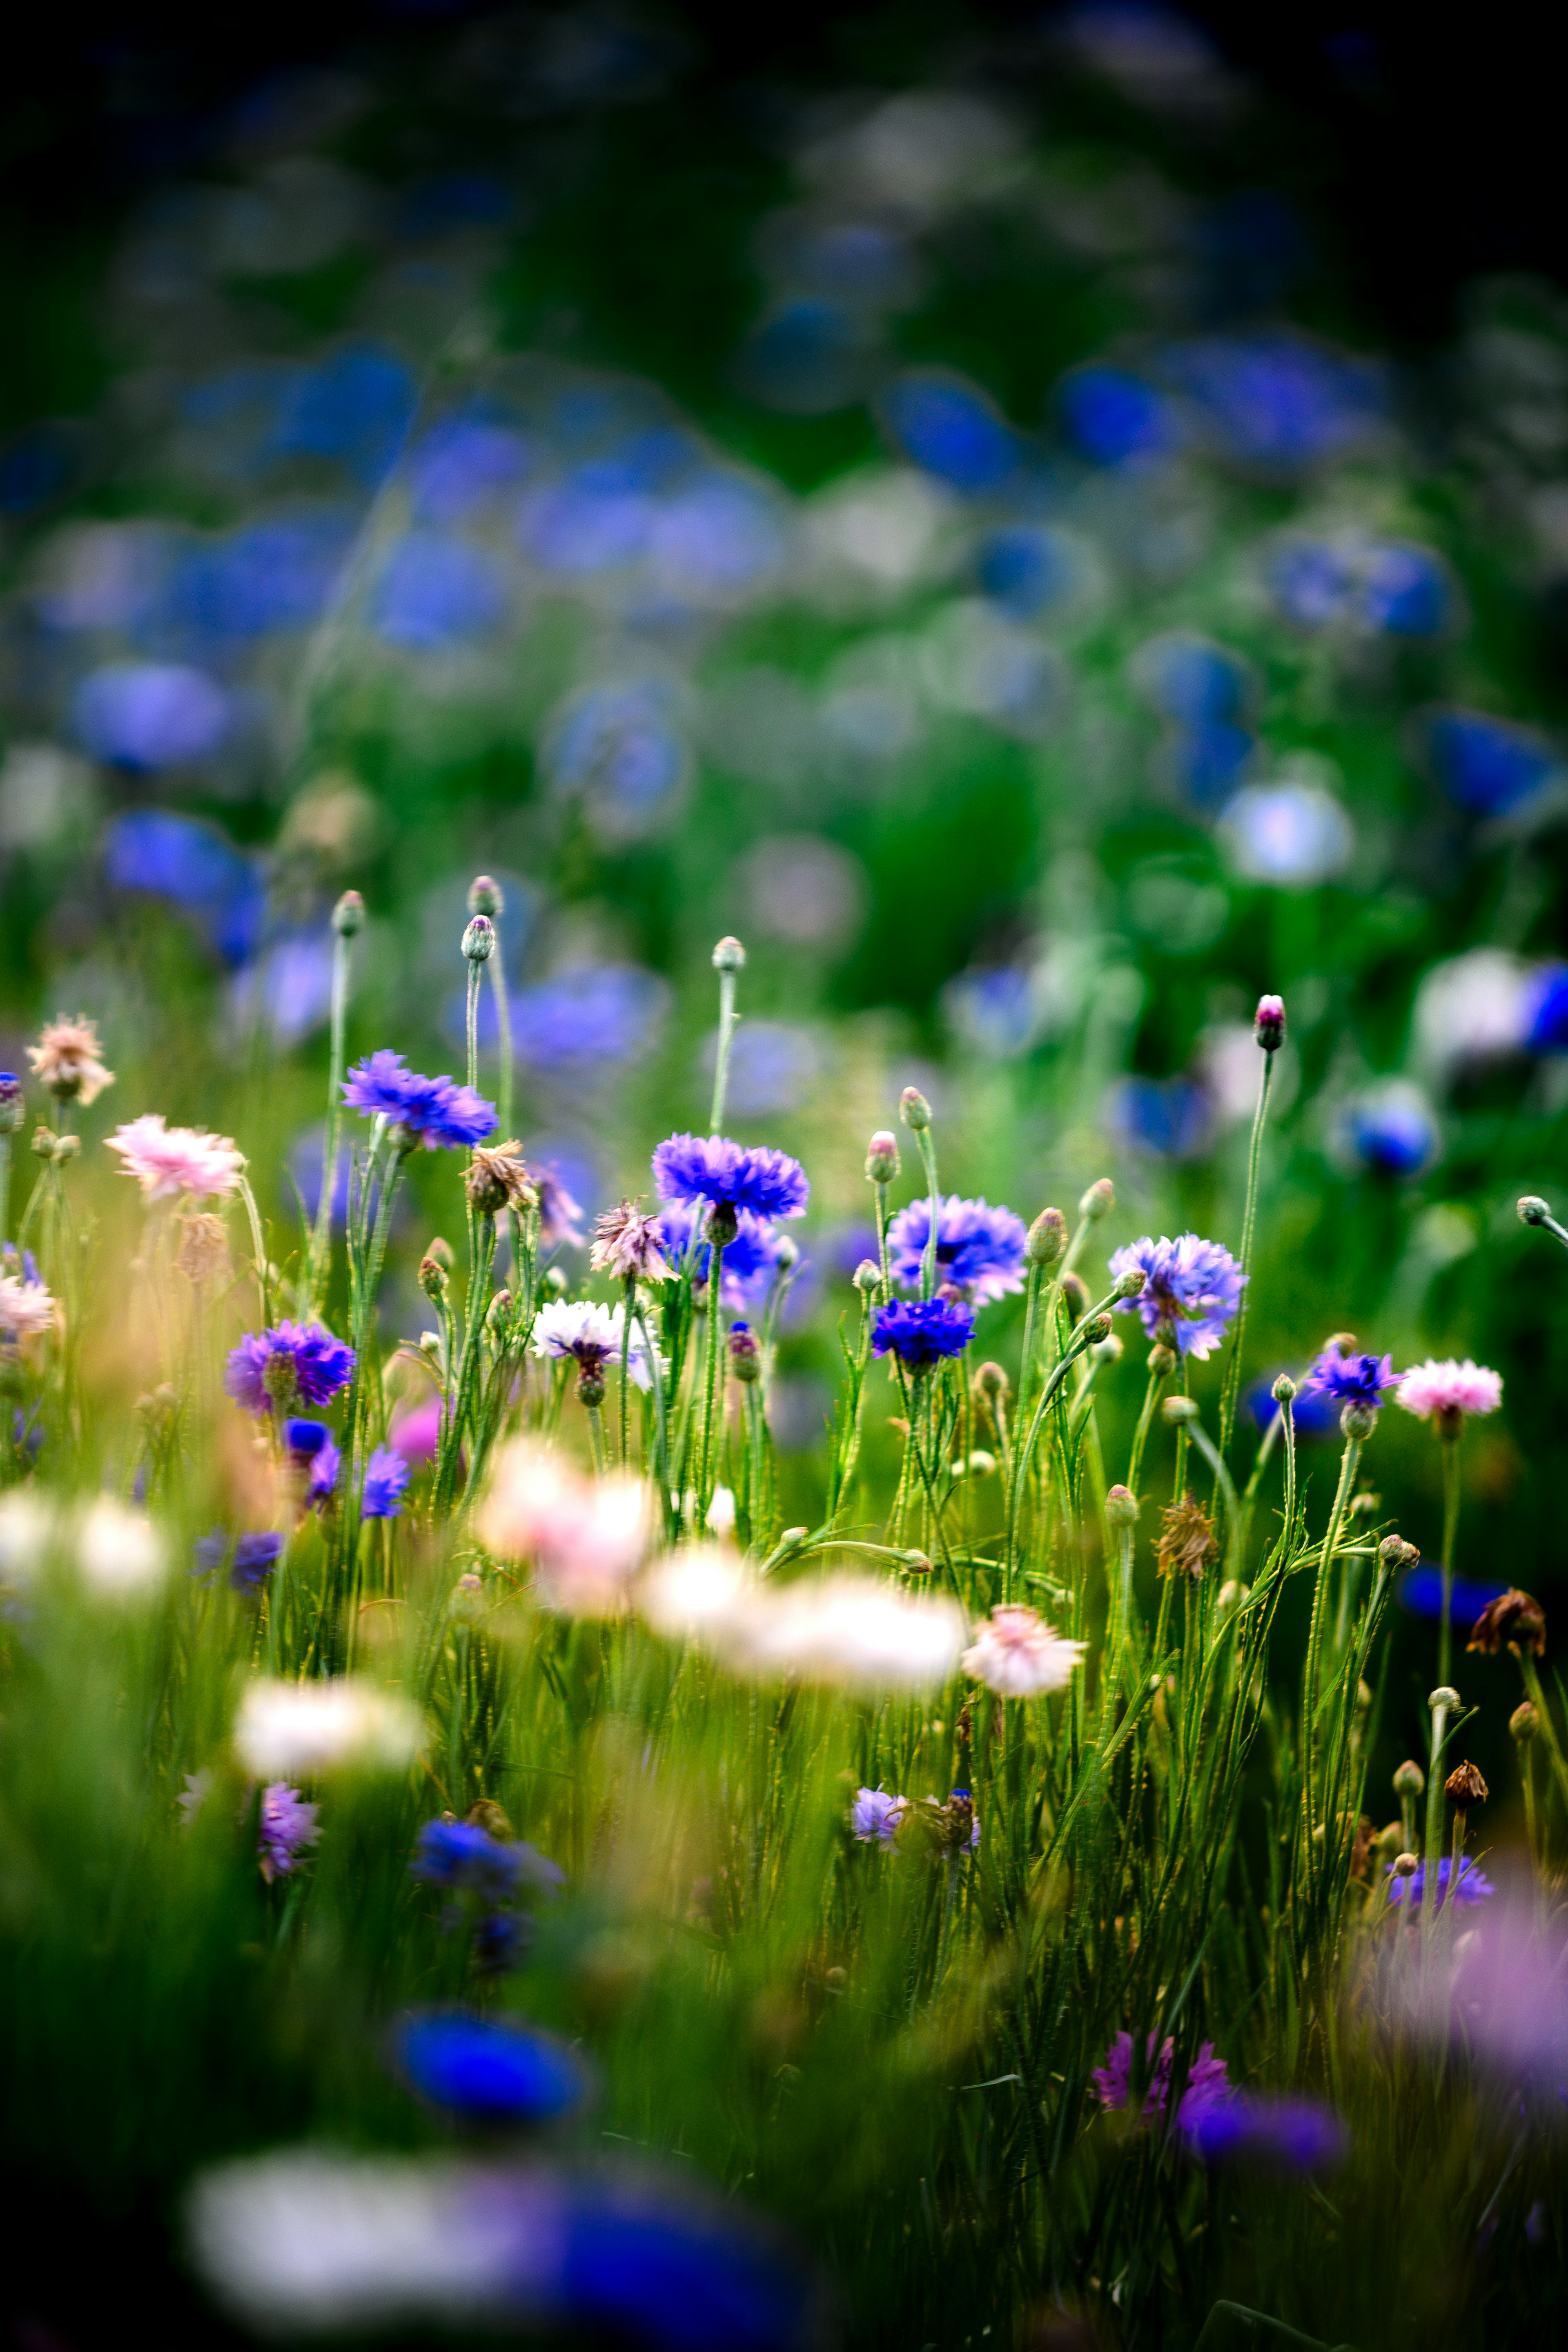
{"x": 210, "y": 1551}
{"x": 1420, "y": 1591}
{"x": 313, "y": 1445}
{"x": 711, "y": 1168}
{"x": 750, "y": 1259}
{"x": 386, "y": 1475}
{"x": 921, "y": 1332}
{"x": 644, "y": 2264}
{"x": 436, "y": 1112}
{"x": 501, "y": 1942}
{"x": 875, "y": 1816}
{"x": 322, "y": 1365}
{"x": 490, "y": 2071}
{"x": 1472, "y": 1886}
{"x": 1192, "y": 1290}
{"x": 462, "y": 1854}
{"x": 1351, "y": 1380}
{"x": 255, "y": 1558}
{"x": 1390, "y": 1129}
{"x": 1290, "y": 2135}
{"x": 979, "y": 1250}
{"x": 1311, "y": 1415}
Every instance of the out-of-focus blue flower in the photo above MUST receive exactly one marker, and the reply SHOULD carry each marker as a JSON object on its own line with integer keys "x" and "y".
{"x": 354, "y": 408}
{"x": 1420, "y": 1591}
{"x": 1471, "y": 1887}
{"x": 439, "y": 1112}
{"x": 321, "y": 1365}
{"x": 595, "y": 1017}
{"x": 806, "y": 357}
{"x": 306, "y": 1438}
{"x": 676, "y": 2275}
{"x": 1405, "y": 591}
{"x": 875, "y": 1816}
{"x": 436, "y": 591}
{"x": 183, "y": 859}
{"x": 1312, "y": 581}
{"x": 150, "y": 715}
{"x": 711, "y": 1168}
{"x": 1273, "y": 403}
{"x": 1193, "y": 680}
{"x": 750, "y": 1260}
{"x": 621, "y": 747}
{"x": 270, "y": 576}
{"x": 949, "y": 426}
{"x": 286, "y": 1826}
{"x": 592, "y": 522}
{"x": 1116, "y": 418}
{"x": 464, "y": 463}
{"x": 455, "y": 1855}
{"x": 289, "y": 988}
{"x": 1205, "y": 763}
{"x": 1285, "y": 2135}
{"x": 490, "y": 2071}
{"x": 386, "y": 1479}
{"x": 255, "y": 1558}
{"x": 1351, "y": 1380}
{"x": 1292, "y": 835}
{"x": 1312, "y": 1414}
{"x": 1390, "y": 1129}
{"x": 1546, "y": 1010}
{"x": 1029, "y": 569}
{"x": 995, "y": 1008}
{"x": 773, "y": 1065}
{"x": 920, "y": 1332}
{"x": 501, "y": 1942}
{"x": 210, "y": 1552}
{"x": 1487, "y": 765}
{"x": 718, "y": 539}
{"x": 1192, "y": 1290}
{"x": 1172, "y": 1118}
{"x": 1382, "y": 587}
{"x": 979, "y": 1250}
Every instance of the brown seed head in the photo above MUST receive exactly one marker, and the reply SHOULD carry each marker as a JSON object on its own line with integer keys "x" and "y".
{"x": 1187, "y": 1544}
{"x": 1466, "y": 1787}
{"x": 1514, "y": 1618}
{"x": 629, "y": 1245}
{"x": 498, "y": 1179}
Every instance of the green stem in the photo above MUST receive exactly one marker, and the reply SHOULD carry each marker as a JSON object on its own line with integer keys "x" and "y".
{"x": 497, "y": 971}
{"x": 1314, "y": 1636}
{"x": 928, "y": 1161}
{"x": 320, "y": 1263}
{"x": 726, "y": 1020}
{"x": 259, "y": 1247}
{"x": 4, "y": 1186}
{"x": 1254, "y": 1159}
{"x": 475, "y": 976}
{"x": 1450, "y": 1532}
{"x": 705, "y": 1480}
{"x": 626, "y": 1365}
{"x": 1140, "y": 1434}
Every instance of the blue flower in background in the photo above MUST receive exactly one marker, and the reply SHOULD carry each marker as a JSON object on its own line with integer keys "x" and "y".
{"x": 450, "y": 201}
{"x": 464, "y": 463}
{"x": 1390, "y": 1129}
{"x": 386, "y": 1479}
{"x": 750, "y": 1260}
{"x": 717, "y": 539}
{"x": 1206, "y": 764}
{"x": 951, "y": 427}
{"x": 1116, "y": 418}
{"x": 1471, "y": 1887}
{"x": 806, "y": 357}
{"x": 596, "y": 1017}
{"x": 435, "y": 591}
{"x": 488, "y": 2071}
{"x": 458, "y": 1855}
{"x": 1292, "y": 835}
{"x": 1193, "y": 680}
{"x": 645, "y": 2264}
{"x": 1273, "y": 403}
{"x": 920, "y": 1332}
{"x": 255, "y": 1558}
{"x": 1172, "y": 1118}
{"x": 289, "y": 989}
{"x": 591, "y": 522}
{"x": 1420, "y": 1591}
{"x": 979, "y": 1250}
{"x": 1312, "y": 1414}
{"x": 620, "y": 746}
{"x": 195, "y": 866}
{"x": 1546, "y": 1010}
{"x": 1489, "y": 766}
{"x": 1029, "y": 569}
{"x": 1312, "y": 581}
{"x": 267, "y": 577}
{"x": 697, "y": 1168}
{"x": 995, "y": 1008}
{"x": 1407, "y": 590}
{"x": 354, "y": 409}
{"x": 1284, "y": 2135}
{"x": 150, "y": 715}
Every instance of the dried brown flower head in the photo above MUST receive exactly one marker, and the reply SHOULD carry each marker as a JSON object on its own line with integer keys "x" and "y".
{"x": 1187, "y": 1544}
{"x": 203, "y": 1249}
{"x": 629, "y": 1245}
{"x": 1514, "y": 1618}
{"x": 1466, "y": 1787}
{"x": 498, "y": 1179}
{"x": 65, "y": 1060}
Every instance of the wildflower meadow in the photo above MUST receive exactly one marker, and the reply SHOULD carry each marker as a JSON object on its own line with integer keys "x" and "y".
{"x": 782, "y": 1226}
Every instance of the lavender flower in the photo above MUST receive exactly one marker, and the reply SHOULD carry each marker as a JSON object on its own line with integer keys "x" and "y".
{"x": 695, "y": 1167}
{"x": 288, "y": 1827}
{"x": 920, "y": 1333}
{"x": 560, "y": 1219}
{"x": 752, "y": 1259}
{"x": 1351, "y": 1380}
{"x": 1283, "y": 2135}
{"x": 258, "y": 1366}
{"x": 1192, "y": 1290}
{"x": 875, "y": 1817}
{"x": 979, "y": 1250}
{"x": 312, "y": 1445}
{"x": 1208, "y": 2084}
{"x": 255, "y": 1558}
{"x": 435, "y": 1112}
{"x": 1472, "y": 1886}
{"x": 386, "y": 1477}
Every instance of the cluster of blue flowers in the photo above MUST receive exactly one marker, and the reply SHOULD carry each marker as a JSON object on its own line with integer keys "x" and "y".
{"x": 502, "y": 1877}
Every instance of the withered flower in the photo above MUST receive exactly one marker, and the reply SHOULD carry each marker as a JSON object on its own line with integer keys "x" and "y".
{"x": 1514, "y": 1618}
{"x": 498, "y": 1179}
{"x": 203, "y": 1249}
{"x": 629, "y": 1245}
{"x": 65, "y": 1060}
{"x": 1466, "y": 1787}
{"x": 1187, "y": 1543}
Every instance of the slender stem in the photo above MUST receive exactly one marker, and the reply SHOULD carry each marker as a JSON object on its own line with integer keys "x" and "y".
{"x": 320, "y": 1263}
{"x": 1451, "y": 1531}
{"x": 705, "y": 1481}
{"x": 726, "y": 1020}
{"x": 661, "y": 1425}
{"x": 1314, "y": 1634}
{"x": 1232, "y": 1381}
{"x": 1433, "y": 1822}
{"x": 1140, "y": 1434}
{"x": 596, "y": 1435}
{"x": 886, "y": 1291}
{"x": 259, "y": 1247}
{"x": 626, "y": 1363}
{"x": 4, "y": 1186}
{"x": 498, "y": 971}
{"x": 928, "y": 1161}
{"x": 475, "y": 976}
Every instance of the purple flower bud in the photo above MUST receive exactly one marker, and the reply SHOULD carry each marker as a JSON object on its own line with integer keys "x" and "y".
{"x": 1268, "y": 1024}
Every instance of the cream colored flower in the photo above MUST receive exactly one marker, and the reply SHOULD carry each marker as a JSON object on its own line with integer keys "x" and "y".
{"x": 585, "y": 1537}
{"x": 65, "y": 1060}
{"x": 291, "y": 1731}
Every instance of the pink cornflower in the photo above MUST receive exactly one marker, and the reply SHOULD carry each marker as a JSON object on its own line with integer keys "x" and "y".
{"x": 1446, "y": 1391}
{"x": 168, "y": 1160}
{"x": 65, "y": 1060}
{"x": 27, "y": 1310}
{"x": 1018, "y": 1654}
{"x": 1207, "y": 2083}
{"x": 586, "y": 1537}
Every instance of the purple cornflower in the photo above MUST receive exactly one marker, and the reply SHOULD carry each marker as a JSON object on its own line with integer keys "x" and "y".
{"x": 257, "y": 1367}
{"x": 750, "y": 1259}
{"x": 1351, "y": 1380}
{"x": 1284, "y": 2135}
{"x": 435, "y": 1112}
{"x": 1192, "y": 1290}
{"x": 1207, "y": 2083}
{"x": 501, "y": 1942}
{"x": 920, "y": 1332}
{"x": 313, "y": 1445}
{"x": 979, "y": 1250}
{"x": 386, "y": 1475}
{"x": 874, "y": 1817}
{"x": 211, "y": 1551}
{"x": 288, "y": 1827}
{"x": 561, "y": 1218}
{"x": 730, "y": 1175}
{"x": 1473, "y": 1885}
{"x": 255, "y": 1558}
{"x": 455, "y": 1855}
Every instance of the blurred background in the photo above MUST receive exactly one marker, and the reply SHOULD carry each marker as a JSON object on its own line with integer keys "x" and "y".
{"x": 1047, "y": 524}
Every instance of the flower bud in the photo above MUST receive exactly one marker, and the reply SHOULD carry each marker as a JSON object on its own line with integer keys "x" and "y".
{"x": 1122, "y": 1506}
{"x": 443, "y": 1253}
{"x": 65, "y": 1148}
{"x": 868, "y": 1276}
{"x": 744, "y": 1355}
{"x": 1268, "y": 1024}
{"x": 1179, "y": 1409}
{"x": 1532, "y": 1210}
{"x": 433, "y": 1279}
{"x": 44, "y": 1141}
{"x": 1395, "y": 1553}
{"x": 1466, "y": 1787}
{"x": 722, "y": 1224}
{"x": 348, "y": 915}
{"x": 1047, "y": 1242}
{"x": 1111, "y": 1351}
{"x": 553, "y": 1282}
{"x": 1163, "y": 1360}
{"x": 914, "y": 1110}
{"x": 479, "y": 938}
{"x": 917, "y": 1563}
{"x": 881, "y": 1158}
{"x": 990, "y": 1380}
{"x": 1358, "y": 1420}
{"x": 1230, "y": 1596}
{"x": 1409, "y": 1780}
{"x": 13, "y": 1108}
{"x": 591, "y": 1384}
{"x": 497, "y": 1311}
{"x": 1406, "y": 1865}
{"x": 785, "y": 1254}
{"x": 1074, "y": 1294}
{"x": 1524, "y": 1723}
{"x": 728, "y": 955}
{"x": 1284, "y": 1390}
{"x": 485, "y": 897}
{"x": 980, "y": 1464}
{"x": 1363, "y": 1698}
{"x": 1099, "y": 1200}
{"x": 1445, "y": 1696}
{"x": 1098, "y": 1327}
{"x": 1130, "y": 1283}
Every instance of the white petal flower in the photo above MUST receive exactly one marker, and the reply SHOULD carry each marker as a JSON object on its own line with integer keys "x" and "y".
{"x": 585, "y": 1537}
{"x": 27, "y": 1308}
{"x": 28, "y": 1526}
{"x": 703, "y": 1591}
{"x": 1018, "y": 1654}
{"x": 168, "y": 1160}
{"x": 119, "y": 1551}
{"x": 848, "y": 1630}
{"x": 292, "y": 1731}
{"x": 589, "y": 1334}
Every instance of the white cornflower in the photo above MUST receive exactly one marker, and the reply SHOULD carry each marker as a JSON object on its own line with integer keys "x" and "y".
{"x": 168, "y": 1160}
{"x": 847, "y": 1630}
{"x": 293, "y": 1731}
{"x": 119, "y": 1551}
{"x": 590, "y": 1335}
{"x": 27, "y": 1310}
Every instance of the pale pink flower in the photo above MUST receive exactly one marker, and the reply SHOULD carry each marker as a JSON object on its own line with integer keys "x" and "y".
{"x": 852, "y": 1631}
{"x": 1018, "y": 1654}
{"x": 1448, "y": 1389}
{"x": 65, "y": 1060}
{"x": 27, "y": 1310}
{"x": 167, "y": 1160}
{"x": 585, "y": 1537}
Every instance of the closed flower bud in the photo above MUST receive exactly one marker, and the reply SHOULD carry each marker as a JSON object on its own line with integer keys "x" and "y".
{"x": 728, "y": 955}
{"x": 1111, "y": 1351}
{"x": 1099, "y": 1200}
{"x": 1162, "y": 1360}
{"x": 553, "y": 1282}
{"x": 1363, "y": 1698}
{"x": 479, "y": 938}
{"x": 1075, "y": 1294}
{"x": 591, "y": 1384}
{"x": 914, "y": 1110}
{"x": 722, "y": 1224}
{"x": 1130, "y": 1283}
{"x": 881, "y": 1158}
{"x": 1098, "y": 1327}
{"x": 1465, "y": 1786}
{"x": 918, "y": 1563}
{"x": 1406, "y": 1865}
{"x": 744, "y": 1356}
{"x": 990, "y": 1380}
{"x": 45, "y": 1141}
{"x": 67, "y": 1147}
{"x": 1122, "y": 1506}
{"x": 1179, "y": 1409}
{"x": 1268, "y": 1024}
{"x": 432, "y": 1278}
{"x": 1524, "y": 1723}
{"x": 1532, "y": 1210}
{"x": 443, "y": 1253}
{"x": 1047, "y": 1242}
{"x": 348, "y": 915}
{"x": 1445, "y": 1697}
{"x": 1284, "y": 1390}
{"x": 980, "y": 1464}
{"x": 1409, "y": 1780}
{"x": 1395, "y": 1553}
{"x": 1358, "y": 1420}
{"x": 497, "y": 1311}
{"x": 485, "y": 897}
{"x": 868, "y": 1276}
{"x": 785, "y": 1254}
{"x": 13, "y": 1109}
{"x": 1230, "y": 1595}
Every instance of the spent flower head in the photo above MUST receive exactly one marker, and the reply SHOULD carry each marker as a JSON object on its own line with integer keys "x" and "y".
{"x": 1514, "y": 1619}
{"x": 629, "y": 1245}
{"x": 67, "y": 1061}
{"x": 498, "y": 1178}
